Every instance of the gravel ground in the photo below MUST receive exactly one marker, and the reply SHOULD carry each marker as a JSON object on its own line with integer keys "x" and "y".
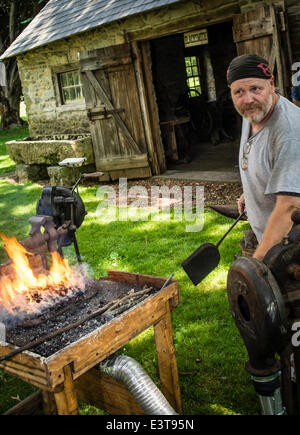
{"x": 214, "y": 193}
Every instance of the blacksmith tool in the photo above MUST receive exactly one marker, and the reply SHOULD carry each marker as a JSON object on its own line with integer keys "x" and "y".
{"x": 228, "y": 211}
{"x": 167, "y": 282}
{"x": 66, "y": 206}
{"x": 264, "y": 299}
{"x": 201, "y": 262}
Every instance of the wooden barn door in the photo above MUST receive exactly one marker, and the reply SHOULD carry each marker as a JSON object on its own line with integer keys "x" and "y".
{"x": 264, "y": 32}
{"x": 113, "y": 107}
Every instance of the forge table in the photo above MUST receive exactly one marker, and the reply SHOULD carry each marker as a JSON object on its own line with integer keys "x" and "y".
{"x": 70, "y": 374}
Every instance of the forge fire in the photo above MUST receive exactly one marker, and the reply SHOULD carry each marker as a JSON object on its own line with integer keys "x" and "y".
{"x": 27, "y": 286}
{"x": 36, "y": 298}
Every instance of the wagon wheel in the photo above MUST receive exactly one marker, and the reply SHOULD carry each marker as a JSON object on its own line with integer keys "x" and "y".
{"x": 206, "y": 122}
{"x": 230, "y": 118}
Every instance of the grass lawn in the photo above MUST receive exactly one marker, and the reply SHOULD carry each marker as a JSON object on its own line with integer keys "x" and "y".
{"x": 210, "y": 352}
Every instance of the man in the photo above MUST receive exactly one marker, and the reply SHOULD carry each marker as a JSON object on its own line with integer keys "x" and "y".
{"x": 269, "y": 157}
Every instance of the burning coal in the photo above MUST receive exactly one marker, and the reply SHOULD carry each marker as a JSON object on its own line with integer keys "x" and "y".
{"x": 24, "y": 291}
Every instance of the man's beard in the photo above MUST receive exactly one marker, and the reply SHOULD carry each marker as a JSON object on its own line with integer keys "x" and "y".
{"x": 263, "y": 110}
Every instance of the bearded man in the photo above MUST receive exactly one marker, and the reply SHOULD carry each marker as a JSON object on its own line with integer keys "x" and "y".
{"x": 269, "y": 158}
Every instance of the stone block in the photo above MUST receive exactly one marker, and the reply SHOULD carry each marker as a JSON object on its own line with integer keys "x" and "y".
{"x": 49, "y": 152}
{"x": 27, "y": 173}
{"x": 66, "y": 176}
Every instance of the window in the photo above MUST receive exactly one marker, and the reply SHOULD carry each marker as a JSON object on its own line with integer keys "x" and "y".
{"x": 193, "y": 75}
{"x": 70, "y": 86}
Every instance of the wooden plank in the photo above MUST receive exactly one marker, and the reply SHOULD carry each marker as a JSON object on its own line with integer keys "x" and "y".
{"x": 252, "y": 30}
{"x": 277, "y": 51}
{"x": 152, "y": 110}
{"x": 93, "y": 101}
{"x": 144, "y": 107}
{"x": 124, "y": 92}
{"x": 106, "y": 130}
{"x": 124, "y": 162}
{"x": 98, "y": 88}
{"x": 148, "y": 280}
{"x": 106, "y": 394}
{"x": 261, "y": 45}
{"x": 90, "y": 95}
{"x": 27, "y": 366}
{"x": 130, "y": 173}
{"x": 28, "y": 406}
{"x": 138, "y": 279}
{"x": 118, "y": 86}
{"x": 167, "y": 364}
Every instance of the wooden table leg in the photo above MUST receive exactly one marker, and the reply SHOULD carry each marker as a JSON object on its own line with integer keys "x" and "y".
{"x": 167, "y": 363}
{"x": 49, "y": 404}
{"x": 66, "y": 400}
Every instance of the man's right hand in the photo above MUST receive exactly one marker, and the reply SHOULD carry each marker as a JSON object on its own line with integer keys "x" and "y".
{"x": 241, "y": 204}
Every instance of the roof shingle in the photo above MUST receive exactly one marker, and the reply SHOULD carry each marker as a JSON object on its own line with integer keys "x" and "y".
{"x": 62, "y": 18}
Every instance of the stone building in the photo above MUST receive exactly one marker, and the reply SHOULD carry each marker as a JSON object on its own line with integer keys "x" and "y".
{"x": 146, "y": 79}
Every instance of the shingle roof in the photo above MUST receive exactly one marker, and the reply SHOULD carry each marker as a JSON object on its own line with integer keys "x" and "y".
{"x": 62, "y": 18}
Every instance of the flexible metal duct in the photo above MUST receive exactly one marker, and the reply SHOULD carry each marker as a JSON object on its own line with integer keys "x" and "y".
{"x": 139, "y": 384}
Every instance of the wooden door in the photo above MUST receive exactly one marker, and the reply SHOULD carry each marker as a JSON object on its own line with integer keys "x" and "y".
{"x": 113, "y": 107}
{"x": 264, "y": 32}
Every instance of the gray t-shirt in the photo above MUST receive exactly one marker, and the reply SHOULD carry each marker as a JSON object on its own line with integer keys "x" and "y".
{"x": 273, "y": 162}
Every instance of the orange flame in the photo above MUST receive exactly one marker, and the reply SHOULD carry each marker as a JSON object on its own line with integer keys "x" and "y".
{"x": 24, "y": 282}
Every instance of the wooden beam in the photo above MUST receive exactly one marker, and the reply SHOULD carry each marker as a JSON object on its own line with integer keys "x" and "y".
{"x": 124, "y": 162}
{"x": 204, "y": 17}
{"x": 152, "y": 106}
{"x": 99, "y": 63}
{"x": 107, "y": 393}
{"x": 167, "y": 360}
{"x": 277, "y": 52}
{"x": 144, "y": 107}
{"x": 66, "y": 400}
{"x": 28, "y": 406}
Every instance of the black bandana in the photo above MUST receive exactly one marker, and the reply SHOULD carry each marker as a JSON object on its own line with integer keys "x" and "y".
{"x": 248, "y": 66}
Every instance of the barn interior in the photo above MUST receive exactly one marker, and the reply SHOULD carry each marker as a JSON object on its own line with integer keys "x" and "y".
{"x": 199, "y": 125}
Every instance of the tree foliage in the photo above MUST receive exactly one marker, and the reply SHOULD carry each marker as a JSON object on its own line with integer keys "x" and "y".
{"x": 15, "y": 15}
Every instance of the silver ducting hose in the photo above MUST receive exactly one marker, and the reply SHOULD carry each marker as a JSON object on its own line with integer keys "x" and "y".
{"x": 139, "y": 384}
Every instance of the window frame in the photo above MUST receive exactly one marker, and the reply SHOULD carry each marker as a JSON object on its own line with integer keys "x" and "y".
{"x": 56, "y": 77}
{"x": 198, "y": 75}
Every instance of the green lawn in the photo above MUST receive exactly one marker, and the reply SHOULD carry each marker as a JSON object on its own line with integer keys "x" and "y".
{"x": 210, "y": 352}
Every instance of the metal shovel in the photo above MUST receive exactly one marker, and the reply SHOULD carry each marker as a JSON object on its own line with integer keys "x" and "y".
{"x": 201, "y": 262}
